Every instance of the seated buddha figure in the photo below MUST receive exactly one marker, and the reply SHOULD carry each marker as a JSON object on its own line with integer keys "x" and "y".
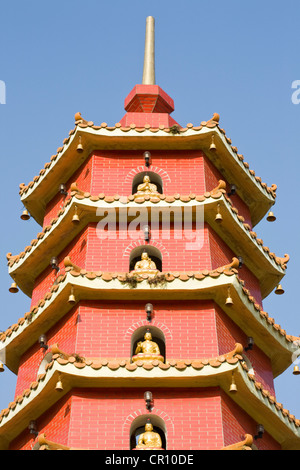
{"x": 147, "y": 350}
{"x": 146, "y": 187}
{"x": 149, "y": 439}
{"x": 145, "y": 265}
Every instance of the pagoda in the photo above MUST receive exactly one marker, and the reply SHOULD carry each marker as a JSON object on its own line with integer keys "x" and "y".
{"x": 146, "y": 328}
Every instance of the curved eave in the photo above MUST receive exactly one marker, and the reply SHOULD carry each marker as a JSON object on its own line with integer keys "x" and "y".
{"x": 248, "y": 315}
{"x": 35, "y": 196}
{"x": 42, "y": 394}
{"x": 267, "y": 268}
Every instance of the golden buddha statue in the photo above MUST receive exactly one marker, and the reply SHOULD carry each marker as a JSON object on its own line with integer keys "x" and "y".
{"x": 146, "y": 187}
{"x": 145, "y": 265}
{"x": 147, "y": 350}
{"x": 149, "y": 439}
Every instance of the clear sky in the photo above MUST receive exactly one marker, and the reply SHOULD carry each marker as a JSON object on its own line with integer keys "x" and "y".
{"x": 236, "y": 58}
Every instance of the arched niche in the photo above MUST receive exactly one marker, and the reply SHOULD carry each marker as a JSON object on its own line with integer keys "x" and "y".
{"x": 154, "y": 178}
{"x": 138, "y": 427}
{"x": 157, "y": 336}
{"x": 152, "y": 251}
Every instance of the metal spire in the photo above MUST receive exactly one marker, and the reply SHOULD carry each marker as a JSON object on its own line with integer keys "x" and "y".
{"x": 149, "y": 57}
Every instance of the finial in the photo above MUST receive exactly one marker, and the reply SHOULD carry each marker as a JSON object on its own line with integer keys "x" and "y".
{"x": 149, "y": 57}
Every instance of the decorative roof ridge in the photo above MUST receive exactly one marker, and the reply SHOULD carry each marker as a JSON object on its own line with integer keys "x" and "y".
{"x": 242, "y": 445}
{"x": 132, "y": 279}
{"x": 229, "y": 270}
{"x": 62, "y": 358}
{"x": 215, "y": 193}
{"x": 46, "y": 444}
{"x": 77, "y": 271}
{"x": 82, "y": 123}
{"x": 233, "y": 358}
{"x": 80, "y": 195}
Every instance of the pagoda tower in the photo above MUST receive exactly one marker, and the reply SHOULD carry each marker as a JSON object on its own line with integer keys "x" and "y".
{"x": 146, "y": 327}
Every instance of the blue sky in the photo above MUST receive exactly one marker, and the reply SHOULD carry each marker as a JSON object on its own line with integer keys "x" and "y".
{"x": 235, "y": 58}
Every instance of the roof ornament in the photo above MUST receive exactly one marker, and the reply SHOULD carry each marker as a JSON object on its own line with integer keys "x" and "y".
{"x": 149, "y": 56}
{"x": 69, "y": 264}
{"x": 79, "y": 118}
{"x": 212, "y": 122}
{"x": 283, "y": 261}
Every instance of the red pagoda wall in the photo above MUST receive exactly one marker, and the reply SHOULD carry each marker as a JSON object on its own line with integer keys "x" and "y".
{"x": 101, "y": 418}
{"x": 192, "y": 330}
{"x": 182, "y": 172}
{"x": 212, "y": 177}
{"x": 221, "y": 254}
{"x": 64, "y": 333}
{"x": 55, "y": 423}
{"x": 194, "y": 418}
{"x": 77, "y": 250}
{"x": 90, "y": 252}
{"x": 83, "y": 177}
{"x": 236, "y": 423}
{"x": 228, "y": 333}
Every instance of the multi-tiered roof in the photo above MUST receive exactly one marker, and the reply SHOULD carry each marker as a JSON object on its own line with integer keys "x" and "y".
{"x": 147, "y": 124}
